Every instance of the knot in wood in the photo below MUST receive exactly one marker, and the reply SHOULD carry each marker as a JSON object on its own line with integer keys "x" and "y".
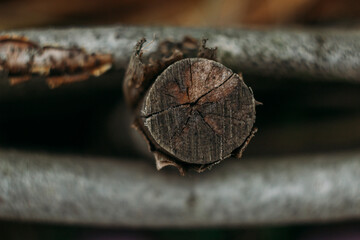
{"x": 198, "y": 111}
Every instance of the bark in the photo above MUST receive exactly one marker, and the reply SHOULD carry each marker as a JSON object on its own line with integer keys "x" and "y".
{"x": 301, "y": 53}
{"x": 21, "y": 59}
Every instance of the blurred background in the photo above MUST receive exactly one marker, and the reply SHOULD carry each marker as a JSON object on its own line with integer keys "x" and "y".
{"x": 302, "y": 115}
{"x": 227, "y": 13}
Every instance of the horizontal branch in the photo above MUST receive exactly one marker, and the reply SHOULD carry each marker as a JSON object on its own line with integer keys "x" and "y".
{"x": 299, "y": 53}
{"x": 69, "y": 189}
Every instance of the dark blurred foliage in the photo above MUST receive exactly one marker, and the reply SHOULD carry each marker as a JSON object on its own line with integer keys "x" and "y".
{"x": 40, "y": 13}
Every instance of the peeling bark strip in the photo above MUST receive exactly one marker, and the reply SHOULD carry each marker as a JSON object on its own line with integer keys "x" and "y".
{"x": 196, "y": 112}
{"x": 20, "y": 58}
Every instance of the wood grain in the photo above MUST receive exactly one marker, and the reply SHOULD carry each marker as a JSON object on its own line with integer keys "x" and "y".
{"x": 198, "y": 111}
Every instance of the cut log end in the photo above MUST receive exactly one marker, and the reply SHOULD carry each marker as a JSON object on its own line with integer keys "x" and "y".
{"x": 198, "y": 111}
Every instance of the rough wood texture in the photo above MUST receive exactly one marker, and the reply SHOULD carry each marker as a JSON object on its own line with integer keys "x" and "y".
{"x": 21, "y": 58}
{"x": 292, "y": 53}
{"x": 126, "y": 192}
{"x": 198, "y": 111}
{"x": 141, "y": 74}
{"x": 144, "y": 68}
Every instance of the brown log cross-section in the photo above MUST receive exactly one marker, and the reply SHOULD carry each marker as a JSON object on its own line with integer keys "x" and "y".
{"x": 198, "y": 111}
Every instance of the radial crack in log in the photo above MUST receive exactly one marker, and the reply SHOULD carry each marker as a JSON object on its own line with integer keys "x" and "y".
{"x": 193, "y": 112}
{"x": 143, "y": 70}
{"x": 203, "y": 139}
{"x": 196, "y": 114}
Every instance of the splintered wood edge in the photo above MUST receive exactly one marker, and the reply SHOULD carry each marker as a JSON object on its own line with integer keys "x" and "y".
{"x": 138, "y": 73}
{"x": 239, "y": 152}
{"x": 162, "y": 160}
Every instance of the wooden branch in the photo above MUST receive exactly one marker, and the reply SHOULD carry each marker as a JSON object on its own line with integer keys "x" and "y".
{"x": 198, "y": 111}
{"x": 120, "y": 192}
{"x": 305, "y": 54}
{"x": 193, "y": 111}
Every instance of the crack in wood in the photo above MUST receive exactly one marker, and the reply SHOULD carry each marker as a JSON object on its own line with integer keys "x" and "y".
{"x": 211, "y": 90}
{"x": 191, "y": 80}
{"x": 180, "y": 85}
{"x": 206, "y": 123}
{"x": 178, "y": 133}
{"x": 163, "y": 111}
{"x": 211, "y": 70}
{"x": 194, "y": 132}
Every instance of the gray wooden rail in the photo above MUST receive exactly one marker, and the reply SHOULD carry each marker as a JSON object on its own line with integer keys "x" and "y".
{"x": 297, "y": 53}
{"x": 130, "y": 192}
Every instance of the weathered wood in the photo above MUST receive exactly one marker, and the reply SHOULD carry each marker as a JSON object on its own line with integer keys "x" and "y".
{"x": 125, "y": 192}
{"x": 192, "y": 111}
{"x": 20, "y": 59}
{"x": 198, "y": 111}
{"x": 143, "y": 68}
{"x": 308, "y": 54}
